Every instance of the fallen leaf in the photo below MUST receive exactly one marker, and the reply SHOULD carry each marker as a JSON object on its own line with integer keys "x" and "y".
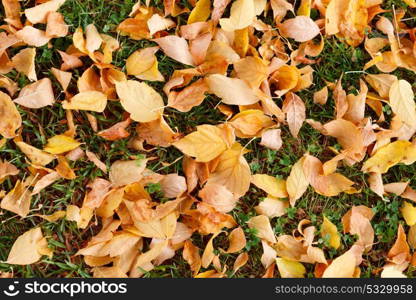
{"x": 300, "y": 28}
{"x": 123, "y": 172}
{"x": 176, "y": 48}
{"x": 272, "y": 139}
{"x": 204, "y": 144}
{"x": 91, "y": 101}
{"x": 295, "y": 111}
{"x": 409, "y": 213}
{"x": 10, "y": 119}
{"x": 140, "y": 100}
{"x": 60, "y": 144}
{"x": 290, "y": 269}
{"x": 36, "y": 95}
{"x": 402, "y": 101}
{"x": 328, "y": 229}
{"x": 232, "y": 91}
{"x": 39, "y": 13}
{"x": 24, "y": 62}
{"x": 232, "y": 171}
{"x": 271, "y": 185}
{"x": 263, "y": 228}
{"x": 27, "y": 247}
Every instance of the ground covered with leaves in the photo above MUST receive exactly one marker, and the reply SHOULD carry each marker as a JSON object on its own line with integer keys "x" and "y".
{"x": 207, "y": 138}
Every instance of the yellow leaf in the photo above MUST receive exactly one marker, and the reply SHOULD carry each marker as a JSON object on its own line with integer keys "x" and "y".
{"x": 402, "y": 101}
{"x": 192, "y": 257}
{"x": 91, "y": 101}
{"x": 388, "y": 156}
{"x": 297, "y": 182}
{"x": 24, "y": 62}
{"x": 201, "y": 12}
{"x": 36, "y": 156}
{"x": 237, "y": 240}
{"x": 249, "y": 123}
{"x": 304, "y": 8}
{"x": 329, "y": 229}
{"x": 290, "y": 269}
{"x": 253, "y": 70}
{"x": 39, "y": 13}
{"x": 263, "y": 228}
{"x": 209, "y": 254}
{"x": 232, "y": 171}
{"x": 341, "y": 267}
{"x": 60, "y": 144}
{"x": 241, "y": 41}
{"x": 10, "y": 119}
{"x": 271, "y": 185}
{"x": 17, "y": 200}
{"x": 124, "y": 172}
{"x": 241, "y": 15}
{"x": 232, "y": 91}
{"x": 140, "y": 100}
{"x": 204, "y": 144}
{"x": 25, "y": 250}
{"x": 272, "y": 207}
{"x": 409, "y": 213}
{"x": 141, "y": 60}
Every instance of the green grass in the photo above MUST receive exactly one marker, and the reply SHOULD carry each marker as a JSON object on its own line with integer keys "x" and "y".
{"x": 65, "y": 238}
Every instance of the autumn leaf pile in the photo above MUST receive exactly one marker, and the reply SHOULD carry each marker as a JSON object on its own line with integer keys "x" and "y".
{"x": 255, "y": 57}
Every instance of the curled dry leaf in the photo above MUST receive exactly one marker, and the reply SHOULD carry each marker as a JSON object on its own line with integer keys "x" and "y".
{"x": 297, "y": 182}
{"x": 97, "y": 162}
{"x": 237, "y": 240}
{"x": 329, "y": 230}
{"x": 64, "y": 78}
{"x": 192, "y": 257}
